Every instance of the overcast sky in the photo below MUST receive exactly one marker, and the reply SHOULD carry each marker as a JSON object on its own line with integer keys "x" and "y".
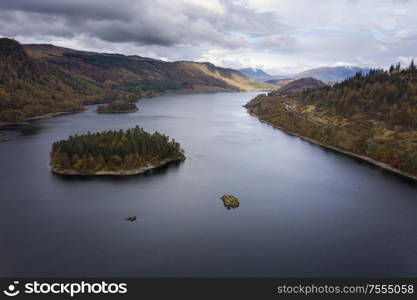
{"x": 279, "y": 36}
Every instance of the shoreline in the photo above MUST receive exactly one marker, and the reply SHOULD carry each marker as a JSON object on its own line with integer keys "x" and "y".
{"x": 372, "y": 161}
{"x": 44, "y": 116}
{"x": 116, "y": 172}
{"x": 51, "y": 115}
{"x": 55, "y": 114}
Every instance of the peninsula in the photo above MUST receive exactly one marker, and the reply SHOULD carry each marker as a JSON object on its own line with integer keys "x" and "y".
{"x": 371, "y": 117}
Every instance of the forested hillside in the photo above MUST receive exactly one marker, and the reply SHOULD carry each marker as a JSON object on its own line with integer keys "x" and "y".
{"x": 388, "y": 96}
{"x": 30, "y": 88}
{"x": 40, "y": 79}
{"x": 373, "y": 115}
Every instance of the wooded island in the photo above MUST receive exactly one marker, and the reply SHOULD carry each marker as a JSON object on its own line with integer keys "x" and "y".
{"x": 113, "y": 152}
{"x": 117, "y": 107}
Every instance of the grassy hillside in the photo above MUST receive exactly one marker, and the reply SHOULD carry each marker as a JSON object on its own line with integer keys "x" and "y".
{"x": 41, "y": 79}
{"x": 374, "y": 116}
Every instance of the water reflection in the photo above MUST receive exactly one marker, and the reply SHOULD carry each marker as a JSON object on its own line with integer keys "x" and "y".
{"x": 164, "y": 170}
{"x": 27, "y": 129}
{"x": 345, "y": 157}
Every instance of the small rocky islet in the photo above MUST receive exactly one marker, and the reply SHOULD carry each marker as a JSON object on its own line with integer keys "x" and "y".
{"x": 230, "y": 201}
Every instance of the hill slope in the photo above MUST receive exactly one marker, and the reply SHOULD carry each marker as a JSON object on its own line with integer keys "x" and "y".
{"x": 373, "y": 117}
{"x": 40, "y": 79}
{"x": 134, "y": 73}
{"x": 29, "y": 88}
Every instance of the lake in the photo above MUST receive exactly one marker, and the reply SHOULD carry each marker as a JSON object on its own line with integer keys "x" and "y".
{"x": 304, "y": 210}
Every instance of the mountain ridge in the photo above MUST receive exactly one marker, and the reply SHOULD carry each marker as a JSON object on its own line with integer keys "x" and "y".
{"x": 39, "y": 79}
{"x": 325, "y": 74}
{"x": 259, "y": 74}
{"x": 331, "y": 74}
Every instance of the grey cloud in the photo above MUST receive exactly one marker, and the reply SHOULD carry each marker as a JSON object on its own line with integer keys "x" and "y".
{"x": 286, "y": 34}
{"x": 100, "y": 10}
{"x": 141, "y": 22}
{"x": 14, "y": 23}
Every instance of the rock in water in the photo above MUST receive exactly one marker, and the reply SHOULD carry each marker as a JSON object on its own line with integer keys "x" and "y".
{"x": 230, "y": 201}
{"x": 131, "y": 219}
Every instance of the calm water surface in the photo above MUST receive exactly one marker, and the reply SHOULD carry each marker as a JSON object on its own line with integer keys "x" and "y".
{"x": 304, "y": 211}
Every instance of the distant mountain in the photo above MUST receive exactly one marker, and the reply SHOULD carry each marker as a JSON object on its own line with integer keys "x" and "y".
{"x": 280, "y": 82}
{"x": 331, "y": 74}
{"x": 39, "y": 79}
{"x": 259, "y": 74}
{"x": 325, "y": 74}
{"x": 299, "y": 85}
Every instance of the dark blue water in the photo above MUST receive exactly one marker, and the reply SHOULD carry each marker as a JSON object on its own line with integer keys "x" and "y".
{"x": 304, "y": 211}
